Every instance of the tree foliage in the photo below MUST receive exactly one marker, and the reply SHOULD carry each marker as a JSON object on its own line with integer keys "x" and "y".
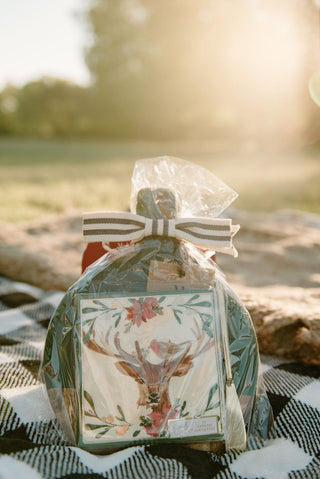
{"x": 205, "y": 68}
{"x": 154, "y": 72}
{"x": 171, "y": 69}
{"x": 47, "y": 108}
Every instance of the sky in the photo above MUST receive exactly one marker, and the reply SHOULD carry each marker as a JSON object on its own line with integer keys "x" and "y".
{"x": 42, "y": 37}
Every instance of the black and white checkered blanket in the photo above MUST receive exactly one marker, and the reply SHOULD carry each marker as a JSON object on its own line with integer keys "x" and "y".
{"x": 31, "y": 446}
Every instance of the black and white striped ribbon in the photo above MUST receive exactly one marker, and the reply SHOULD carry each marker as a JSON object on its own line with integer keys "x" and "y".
{"x": 109, "y": 227}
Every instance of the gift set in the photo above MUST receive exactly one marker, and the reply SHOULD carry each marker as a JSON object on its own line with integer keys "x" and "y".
{"x": 151, "y": 344}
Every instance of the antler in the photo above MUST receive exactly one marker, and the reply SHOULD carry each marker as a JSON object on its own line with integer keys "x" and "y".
{"x": 105, "y": 349}
{"x": 124, "y": 355}
{"x": 180, "y": 365}
{"x": 176, "y": 357}
{"x": 133, "y": 364}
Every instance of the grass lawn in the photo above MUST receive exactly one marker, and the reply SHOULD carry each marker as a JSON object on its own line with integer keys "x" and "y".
{"x": 39, "y": 178}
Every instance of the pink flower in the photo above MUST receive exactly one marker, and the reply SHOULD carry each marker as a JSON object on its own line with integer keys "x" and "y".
{"x": 134, "y": 313}
{"x": 141, "y": 311}
{"x": 169, "y": 413}
{"x": 160, "y": 420}
{"x": 157, "y": 424}
{"x": 146, "y": 310}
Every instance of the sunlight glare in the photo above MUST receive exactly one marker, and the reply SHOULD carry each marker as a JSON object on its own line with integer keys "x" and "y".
{"x": 314, "y": 87}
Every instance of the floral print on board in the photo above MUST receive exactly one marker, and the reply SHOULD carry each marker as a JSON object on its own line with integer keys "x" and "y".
{"x": 147, "y": 360}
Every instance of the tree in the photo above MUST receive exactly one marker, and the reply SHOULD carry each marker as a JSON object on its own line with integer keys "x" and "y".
{"x": 48, "y": 107}
{"x": 149, "y": 62}
{"x": 205, "y": 68}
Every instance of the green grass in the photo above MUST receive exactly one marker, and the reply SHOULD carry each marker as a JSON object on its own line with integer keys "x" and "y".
{"x": 39, "y": 178}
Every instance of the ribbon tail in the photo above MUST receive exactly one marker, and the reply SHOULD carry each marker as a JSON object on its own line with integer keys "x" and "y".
{"x": 230, "y": 250}
{"x": 214, "y": 234}
{"x": 234, "y": 230}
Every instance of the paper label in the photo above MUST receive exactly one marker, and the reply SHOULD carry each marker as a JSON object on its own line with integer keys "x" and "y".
{"x": 202, "y": 426}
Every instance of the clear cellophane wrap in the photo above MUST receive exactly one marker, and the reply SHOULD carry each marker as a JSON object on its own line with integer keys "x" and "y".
{"x": 151, "y": 344}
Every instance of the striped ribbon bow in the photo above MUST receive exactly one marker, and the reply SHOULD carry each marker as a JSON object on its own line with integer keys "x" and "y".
{"x": 108, "y": 227}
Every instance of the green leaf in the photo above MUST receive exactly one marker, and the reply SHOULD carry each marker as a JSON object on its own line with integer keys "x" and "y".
{"x": 89, "y": 310}
{"x": 213, "y": 389}
{"x": 88, "y": 334}
{"x": 128, "y": 327}
{"x": 102, "y": 433}
{"x": 176, "y": 403}
{"x": 89, "y": 414}
{"x": 136, "y": 433}
{"x": 89, "y": 321}
{"x": 210, "y": 396}
{"x": 145, "y": 421}
{"x": 212, "y": 406}
{"x": 196, "y": 296}
{"x": 240, "y": 343}
{"x": 96, "y": 301}
{"x": 161, "y": 299}
{"x": 203, "y": 304}
{"x": 116, "y": 324}
{"x": 206, "y": 328}
{"x": 89, "y": 399}
{"x": 176, "y": 316}
{"x": 207, "y": 320}
{"x": 94, "y": 426}
{"x": 121, "y": 412}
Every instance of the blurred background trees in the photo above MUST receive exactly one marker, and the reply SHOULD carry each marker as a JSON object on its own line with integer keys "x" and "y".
{"x": 183, "y": 69}
{"x": 45, "y": 108}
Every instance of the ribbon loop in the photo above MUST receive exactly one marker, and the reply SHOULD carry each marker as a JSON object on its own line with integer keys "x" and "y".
{"x": 107, "y": 227}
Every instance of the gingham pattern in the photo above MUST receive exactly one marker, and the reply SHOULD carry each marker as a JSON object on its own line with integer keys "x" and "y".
{"x": 31, "y": 446}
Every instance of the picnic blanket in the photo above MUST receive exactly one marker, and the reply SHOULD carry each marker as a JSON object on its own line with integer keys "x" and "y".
{"x": 31, "y": 446}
